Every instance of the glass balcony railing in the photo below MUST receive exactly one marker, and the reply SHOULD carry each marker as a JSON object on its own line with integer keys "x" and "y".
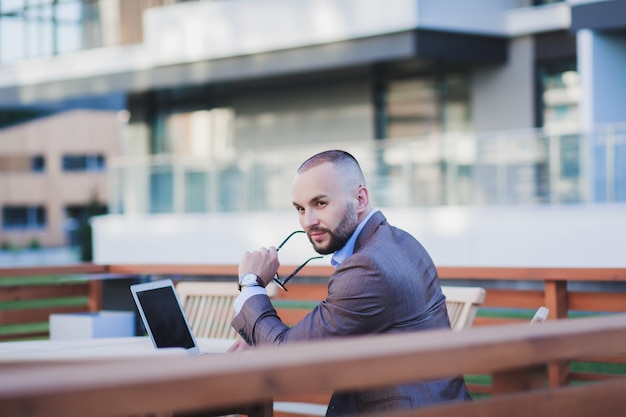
{"x": 501, "y": 168}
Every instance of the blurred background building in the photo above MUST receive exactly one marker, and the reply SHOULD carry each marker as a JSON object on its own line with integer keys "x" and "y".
{"x": 484, "y": 127}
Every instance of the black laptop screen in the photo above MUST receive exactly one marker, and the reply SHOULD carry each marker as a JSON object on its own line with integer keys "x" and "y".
{"x": 167, "y": 324}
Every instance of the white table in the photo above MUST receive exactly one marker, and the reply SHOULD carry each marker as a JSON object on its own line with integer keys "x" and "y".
{"x": 99, "y": 348}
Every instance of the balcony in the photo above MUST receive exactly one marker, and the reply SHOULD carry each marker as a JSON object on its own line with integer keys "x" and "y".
{"x": 507, "y": 199}
{"x": 530, "y": 167}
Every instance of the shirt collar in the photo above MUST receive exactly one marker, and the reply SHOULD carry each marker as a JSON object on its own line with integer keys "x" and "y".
{"x": 348, "y": 249}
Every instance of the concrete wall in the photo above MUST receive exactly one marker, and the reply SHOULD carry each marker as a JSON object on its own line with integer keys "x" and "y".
{"x": 558, "y": 236}
{"x": 503, "y": 95}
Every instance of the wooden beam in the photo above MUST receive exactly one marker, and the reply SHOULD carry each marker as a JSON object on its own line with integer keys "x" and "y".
{"x": 516, "y": 380}
{"x": 308, "y": 292}
{"x": 530, "y": 299}
{"x": 209, "y": 270}
{"x": 33, "y": 292}
{"x": 604, "y": 399}
{"x": 456, "y": 272}
{"x": 533, "y": 274}
{"x": 124, "y": 387}
{"x": 174, "y": 269}
{"x": 53, "y": 270}
{"x": 35, "y": 315}
{"x": 596, "y": 301}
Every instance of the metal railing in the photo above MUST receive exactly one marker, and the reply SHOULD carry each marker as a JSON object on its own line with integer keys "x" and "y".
{"x": 499, "y": 168}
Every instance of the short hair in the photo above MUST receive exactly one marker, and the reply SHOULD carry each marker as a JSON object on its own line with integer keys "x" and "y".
{"x": 336, "y": 157}
{"x": 342, "y": 160}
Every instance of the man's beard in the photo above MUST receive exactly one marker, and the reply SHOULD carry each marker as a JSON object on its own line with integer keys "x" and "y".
{"x": 342, "y": 233}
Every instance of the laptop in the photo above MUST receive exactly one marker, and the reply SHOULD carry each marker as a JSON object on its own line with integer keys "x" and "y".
{"x": 163, "y": 316}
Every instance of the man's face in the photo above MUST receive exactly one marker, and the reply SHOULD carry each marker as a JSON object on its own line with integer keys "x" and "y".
{"x": 326, "y": 210}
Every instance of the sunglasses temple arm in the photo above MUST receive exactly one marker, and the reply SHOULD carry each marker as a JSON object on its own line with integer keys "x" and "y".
{"x": 279, "y": 283}
{"x": 293, "y": 274}
{"x": 287, "y": 238}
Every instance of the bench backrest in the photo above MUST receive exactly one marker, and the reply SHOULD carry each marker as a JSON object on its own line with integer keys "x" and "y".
{"x": 462, "y": 304}
{"x": 209, "y": 307}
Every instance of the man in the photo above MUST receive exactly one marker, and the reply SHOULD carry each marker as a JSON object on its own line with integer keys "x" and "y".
{"x": 384, "y": 282}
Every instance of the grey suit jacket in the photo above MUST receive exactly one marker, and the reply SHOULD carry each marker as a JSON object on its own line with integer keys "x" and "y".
{"x": 388, "y": 285}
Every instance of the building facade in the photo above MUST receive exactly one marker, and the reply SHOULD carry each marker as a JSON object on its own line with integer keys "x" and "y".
{"x": 52, "y": 174}
{"x": 446, "y": 102}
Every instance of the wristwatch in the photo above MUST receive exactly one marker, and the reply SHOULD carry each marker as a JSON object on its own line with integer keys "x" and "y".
{"x": 250, "y": 280}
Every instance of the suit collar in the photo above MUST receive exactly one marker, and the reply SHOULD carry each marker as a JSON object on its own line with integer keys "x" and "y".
{"x": 369, "y": 229}
{"x": 348, "y": 249}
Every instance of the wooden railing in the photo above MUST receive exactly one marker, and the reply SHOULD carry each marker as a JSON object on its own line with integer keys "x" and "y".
{"x": 510, "y": 352}
{"x": 550, "y": 289}
{"x": 529, "y": 289}
{"x": 28, "y": 296}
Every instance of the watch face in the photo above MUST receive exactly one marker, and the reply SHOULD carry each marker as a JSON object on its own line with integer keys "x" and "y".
{"x": 248, "y": 279}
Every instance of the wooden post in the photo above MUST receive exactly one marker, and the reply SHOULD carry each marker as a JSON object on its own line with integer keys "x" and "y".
{"x": 94, "y": 300}
{"x": 556, "y": 299}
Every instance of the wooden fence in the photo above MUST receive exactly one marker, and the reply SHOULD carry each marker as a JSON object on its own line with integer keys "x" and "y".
{"x": 567, "y": 292}
{"x": 173, "y": 383}
{"x": 552, "y": 291}
{"x": 28, "y": 296}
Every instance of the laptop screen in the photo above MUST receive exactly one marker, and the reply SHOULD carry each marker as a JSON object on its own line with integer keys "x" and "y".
{"x": 162, "y": 315}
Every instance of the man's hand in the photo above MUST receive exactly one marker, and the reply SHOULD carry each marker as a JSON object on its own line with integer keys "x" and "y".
{"x": 263, "y": 262}
{"x": 239, "y": 346}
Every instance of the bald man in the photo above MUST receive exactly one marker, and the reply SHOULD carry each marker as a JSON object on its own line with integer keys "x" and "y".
{"x": 384, "y": 282}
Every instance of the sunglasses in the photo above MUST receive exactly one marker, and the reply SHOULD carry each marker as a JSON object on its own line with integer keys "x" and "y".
{"x": 277, "y": 280}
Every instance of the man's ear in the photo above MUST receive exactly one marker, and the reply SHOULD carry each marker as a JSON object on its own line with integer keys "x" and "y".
{"x": 362, "y": 198}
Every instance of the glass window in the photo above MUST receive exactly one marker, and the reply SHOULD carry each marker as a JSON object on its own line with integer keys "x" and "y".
{"x": 417, "y": 103}
{"x": 11, "y": 5}
{"x": 161, "y": 190}
{"x": 37, "y": 28}
{"x": 69, "y": 27}
{"x": 39, "y": 32}
{"x": 560, "y": 93}
{"x": 11, "y": 38}
{"x": 38, "y": 163}
{"x": 83, "y": 163}
{"x": 455, "y": 109}
{"x": 421, "y": 106}
{"x": 23, "y": 217}
{"x": 195, "y": 192}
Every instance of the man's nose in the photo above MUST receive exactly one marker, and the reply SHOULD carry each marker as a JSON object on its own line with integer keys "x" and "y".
{"x": 309, "y": 219}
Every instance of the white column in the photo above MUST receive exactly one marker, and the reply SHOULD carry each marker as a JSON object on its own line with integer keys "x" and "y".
{"x": 601, "y": 65}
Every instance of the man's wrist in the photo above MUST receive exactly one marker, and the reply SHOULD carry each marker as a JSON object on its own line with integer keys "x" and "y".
{"x": 250, "y": 280}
